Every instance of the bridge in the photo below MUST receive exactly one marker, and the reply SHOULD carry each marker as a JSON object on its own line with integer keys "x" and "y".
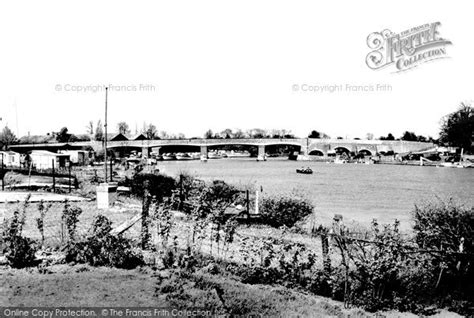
{"x": 307, "y": 146}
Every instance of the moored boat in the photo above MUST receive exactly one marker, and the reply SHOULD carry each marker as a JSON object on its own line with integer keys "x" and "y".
{"x": 339, "y": 160}
{"x": 183, "y": 156}
{"x": 169, "y": 156}
{"x": 214, "y": 155}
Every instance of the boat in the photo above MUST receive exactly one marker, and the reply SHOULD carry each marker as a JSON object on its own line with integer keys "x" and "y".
{"x": 214, "y": 155}
{"x": 238, "y": 154}
{"x": 196, "y": 155}
{"x": 183, "y": 156}
{"x": 304, "y": 171}
{"x": 457, "y": 164}
{"x": 169, "y": 156}
{"x": 339, "y": 160}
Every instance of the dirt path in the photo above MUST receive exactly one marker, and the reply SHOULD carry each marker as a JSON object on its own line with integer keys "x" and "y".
{"x": 13, "y": 196}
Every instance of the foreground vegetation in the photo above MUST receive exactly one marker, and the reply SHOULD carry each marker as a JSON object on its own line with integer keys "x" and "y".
{"x": 195, "y": 255}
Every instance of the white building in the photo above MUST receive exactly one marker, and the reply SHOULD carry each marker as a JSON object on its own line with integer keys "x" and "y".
{"x": 10, "y": 158}
{"x": 42, "y": 159}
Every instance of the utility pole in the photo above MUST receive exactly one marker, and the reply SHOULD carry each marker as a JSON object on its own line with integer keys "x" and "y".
{"x": 105, "y": 138}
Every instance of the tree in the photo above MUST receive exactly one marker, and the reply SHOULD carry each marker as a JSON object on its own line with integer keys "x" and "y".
{"x": 370, "y": 136}
{"x": 164, "y": 135}
{"x": 421, "y": 138}
{"x": 151, "y": 131}
{"x": 314, "y": 134}
{"x": 389, "y": 137}
{"x": 62, "y": 135}
{"x": 227, "y": 133}
{"x": 99, "y": 132}
{"x": 317, "y": 134}
{"x": 257, "y": 133}
{"x": 123, "y": 128}
{"x": 457, "y": 128}
{"x": 239, "y": 134}
{"x": 208, "y": 134}
{"x": 409, "y": 136}
{"x": 90, "y": 128}
{"x": 7, "y": 137}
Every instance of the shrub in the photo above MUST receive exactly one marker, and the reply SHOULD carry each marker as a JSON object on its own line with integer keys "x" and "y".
{"x": 100, "y": 248}
{"x": 42, "y": 209}
{"x": 70, "y": 217}
{"x": 160, "y": 185}
{"x": 442, "y": 225}
{"x": 19, "y": 250}
{"x": 387, "y": 271}
{"x": 447, "y": 229}
{"x": 284, "y": 210}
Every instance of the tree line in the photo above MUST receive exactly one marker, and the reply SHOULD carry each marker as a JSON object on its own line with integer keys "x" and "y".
{"x": 457, "y": 130}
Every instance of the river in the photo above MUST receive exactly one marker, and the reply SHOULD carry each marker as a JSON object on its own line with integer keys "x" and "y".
{"x": 357, "y": 191}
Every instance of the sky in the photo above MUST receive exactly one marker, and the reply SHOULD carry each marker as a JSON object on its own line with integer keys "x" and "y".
{"x": 188, "y": 66}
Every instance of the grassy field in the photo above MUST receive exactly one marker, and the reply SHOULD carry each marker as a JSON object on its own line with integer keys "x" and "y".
{"x": 81, "y": 285}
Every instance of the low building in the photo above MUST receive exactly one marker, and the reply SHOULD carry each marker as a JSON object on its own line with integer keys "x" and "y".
{"x": 43, "y": 159}
{"x": 77, "y": 157}
{"x": 10, "y": 158}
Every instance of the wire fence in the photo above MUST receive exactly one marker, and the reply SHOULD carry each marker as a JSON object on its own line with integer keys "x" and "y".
{"x": 54, "y": 233}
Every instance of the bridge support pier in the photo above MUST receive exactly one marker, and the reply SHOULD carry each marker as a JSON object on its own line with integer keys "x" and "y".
{"x": 303, "y": 155}
{"x": 145, "y": 152}
{"x": 204, "y": 153}
{"x": 261, "y": 153}
{"x": 156, "y": 150}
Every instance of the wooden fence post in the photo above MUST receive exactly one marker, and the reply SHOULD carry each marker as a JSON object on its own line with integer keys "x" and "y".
{"x": 145, "y": 212}
{"x": 325, "y": 250}
{"x": 54, "y": 178}
{"x": 181, "y": 192}
{"x": 69, "y": 177}
{"x": 111, "y": 170}
{"x": 248, "y": 204}
{"x": 3, "y": 174}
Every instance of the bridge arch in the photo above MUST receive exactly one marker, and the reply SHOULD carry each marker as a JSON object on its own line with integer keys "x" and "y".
{"x": 339, "y": 150}
{"x": 316, "y": 152}
{"x": 366, "y": 152}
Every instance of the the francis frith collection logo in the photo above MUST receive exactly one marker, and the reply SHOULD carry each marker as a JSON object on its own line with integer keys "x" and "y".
{"x": 407, "y": 49}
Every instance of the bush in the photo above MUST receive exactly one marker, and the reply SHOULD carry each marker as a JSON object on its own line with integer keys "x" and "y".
{"x": 70, "y": 218}
{"x": 160, "y": 185}
{"x": 442, "y": 225}
{"x": 19, "y": 250}
{"x": 388, "y": 271}
{"x": 284, "y": 210}
{"x": 447, "y": 229}
{"x": 101, "y": 248}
